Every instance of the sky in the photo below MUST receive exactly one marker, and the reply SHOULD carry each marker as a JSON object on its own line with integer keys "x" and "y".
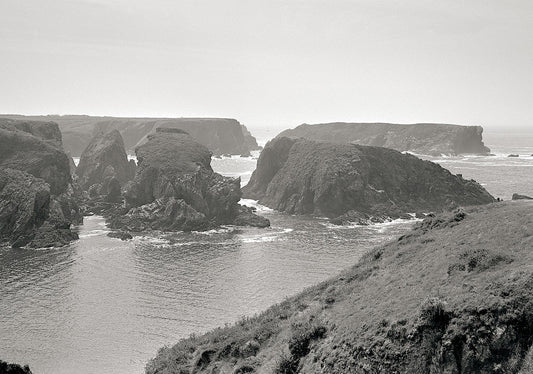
{"x": 271, "y": 63}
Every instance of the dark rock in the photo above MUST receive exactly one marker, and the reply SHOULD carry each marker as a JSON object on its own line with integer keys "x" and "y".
{"x": 521, "y": 197}
{"x": 247, "y": 217}
{"x": 22, "y": 150}
{"x": 104, "y": 157}
{"x": 300, "y": 176}
{"x": 122, "y": 235}
{"x": 220, "y": 135}
{"x": 513, "y": 155}
{"x": 29, "y": 215}
{"x": 6, "y": 368}
{"x": 421, "y": 138}
{"x": 175, "y": 188}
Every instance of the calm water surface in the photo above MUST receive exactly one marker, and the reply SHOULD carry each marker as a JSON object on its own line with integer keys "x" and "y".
{"x": 105, "y": 306}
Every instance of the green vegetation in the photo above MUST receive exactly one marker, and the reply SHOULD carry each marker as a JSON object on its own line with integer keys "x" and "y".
{"x": 454, "y": 295}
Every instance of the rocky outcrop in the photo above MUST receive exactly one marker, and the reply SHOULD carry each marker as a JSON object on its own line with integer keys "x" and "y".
{"x": 521, "y": 197}
{"x": 220, "y": 135}
{"x": 301, "y": 176}
{"x": 29, "y": 215}
{"x": 38, "y": 202}
{"x": 6, "y": 368}
{"x": 454, "y": 295}
{"x": 175, "y": 188}
{"x": 22, "y": 150}
{"x": 104, "y": 159}
{"x": 420, "y": 138}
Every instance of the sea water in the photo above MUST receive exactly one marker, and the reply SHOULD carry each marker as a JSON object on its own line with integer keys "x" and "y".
{"x": 101, "y": 305}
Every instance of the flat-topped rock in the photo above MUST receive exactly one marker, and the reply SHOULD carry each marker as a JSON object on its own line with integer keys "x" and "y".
{"x": 301, "y": 176}
{"x": 420, "y": 138}
{"x": 220, "y": 135}
{"x": 521, "y": 197}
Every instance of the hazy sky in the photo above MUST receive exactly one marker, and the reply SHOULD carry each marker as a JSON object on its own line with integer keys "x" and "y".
{"x": 271, "y": 63}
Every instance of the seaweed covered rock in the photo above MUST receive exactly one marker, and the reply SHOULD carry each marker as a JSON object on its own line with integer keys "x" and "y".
{"x": 104, "y": 157}
{"x": 421, "y": 138}
{"x": 301, "y": 176}
{"x": 175, "y": 188}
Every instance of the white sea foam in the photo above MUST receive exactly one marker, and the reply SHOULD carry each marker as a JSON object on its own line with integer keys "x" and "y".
{"x": 254, "y": 204}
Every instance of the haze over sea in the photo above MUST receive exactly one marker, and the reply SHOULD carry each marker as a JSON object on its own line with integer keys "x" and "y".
{"x": 102, "y": 305}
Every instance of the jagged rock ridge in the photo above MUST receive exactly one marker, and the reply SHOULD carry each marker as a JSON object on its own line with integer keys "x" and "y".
{"x": 420, "y": 138}
{"x": 175, "y": 188}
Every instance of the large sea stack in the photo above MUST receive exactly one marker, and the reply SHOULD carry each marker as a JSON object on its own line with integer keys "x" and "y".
{"x": 301, "y": 176}
{"x": 175, "y": 188}
{"x": 104, "y": 158}
{"x": 421, "y": 138}
{"x": 38, "y": 203}
{"x": 220, "y": 135}
{"x": 455, "y": 295}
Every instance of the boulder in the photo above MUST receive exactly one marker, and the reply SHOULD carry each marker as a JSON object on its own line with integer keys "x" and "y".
{"x": 513, "y": 155}
{"x": 421, "y": 138}
{"x": 105, "y": 156}
{"x": 175, "y": 188}
{"x": 301, "y": 176}
{"x": 521, "y": 197}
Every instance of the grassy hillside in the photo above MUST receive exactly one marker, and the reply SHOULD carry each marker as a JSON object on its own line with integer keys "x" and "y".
{"x": 455, "y": 295}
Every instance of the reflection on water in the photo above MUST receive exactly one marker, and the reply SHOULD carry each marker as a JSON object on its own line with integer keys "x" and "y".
{"x": 103, "y": 305}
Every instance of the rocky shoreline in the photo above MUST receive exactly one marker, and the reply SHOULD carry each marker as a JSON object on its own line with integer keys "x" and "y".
{"x": 454, "y": 295}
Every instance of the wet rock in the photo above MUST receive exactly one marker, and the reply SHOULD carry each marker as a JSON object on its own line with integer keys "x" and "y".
{"x": 6, "y": 368}
{"x": 513, "y": 155}
{"x": 122, "y": 235}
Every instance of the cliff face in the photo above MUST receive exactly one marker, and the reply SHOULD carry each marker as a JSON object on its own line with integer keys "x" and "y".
{"x": 300, "y": 176}
{"x": 175, "y": 188}
{"x": 104, "y": 154}
{"x": 220, "y": 135}
{"x": 37, "y": 198}
{"x": 420, "y": 138}
{"x": 455, "y": 295}
{"x": 35, "y": 148}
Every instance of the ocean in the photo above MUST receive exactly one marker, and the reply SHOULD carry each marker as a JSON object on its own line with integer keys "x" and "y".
{"x": 102, "y": 305}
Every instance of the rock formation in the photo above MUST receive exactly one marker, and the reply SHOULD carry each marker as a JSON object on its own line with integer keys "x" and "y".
{"x": 455, "y": 295}
{"x": 521, "y": 197}
{"x": 220, "y": 135}
{"x": 103, "y": 159}
{"x": 301, "y": 176}
{"x": 420, "y": 138}
{"x": 38, "y": 202}
{"x": 175, "y": 188}
{"x": 6, "y": 368}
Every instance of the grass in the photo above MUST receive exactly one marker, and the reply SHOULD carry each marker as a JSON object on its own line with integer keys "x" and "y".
{"x": 453, "y": 295}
